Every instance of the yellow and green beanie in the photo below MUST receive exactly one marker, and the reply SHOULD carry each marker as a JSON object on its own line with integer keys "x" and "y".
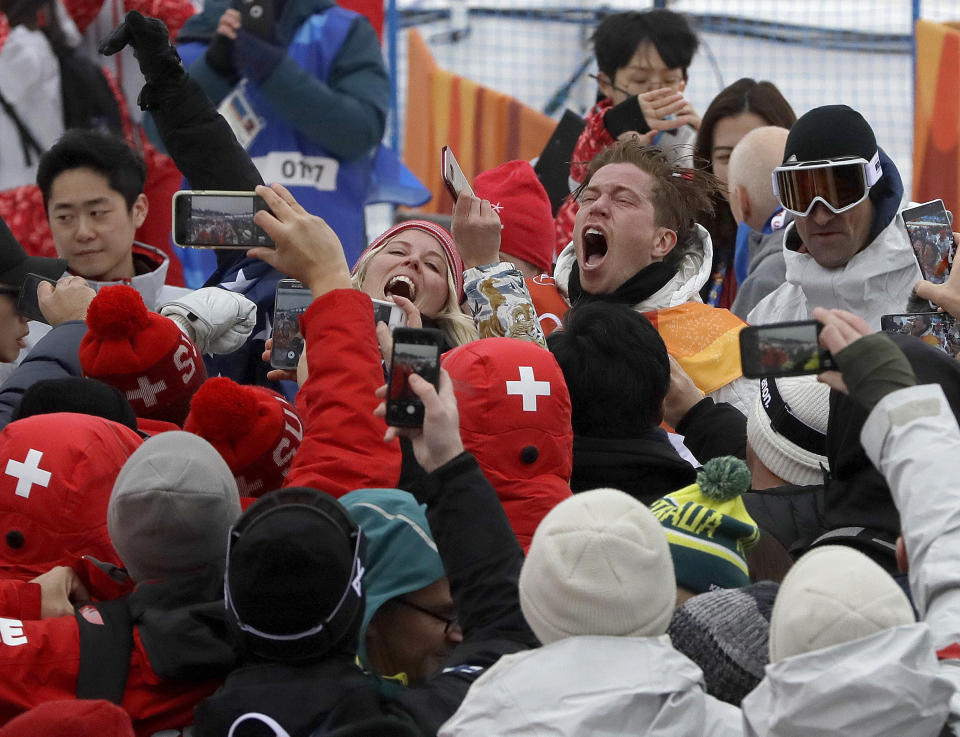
{"x": 708, "y": 527}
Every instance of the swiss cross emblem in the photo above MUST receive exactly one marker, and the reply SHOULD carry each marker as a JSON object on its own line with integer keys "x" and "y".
{"x": 28, "y": 472}
{"x": 529, "y": 388}
{"x": 146, "y": 392}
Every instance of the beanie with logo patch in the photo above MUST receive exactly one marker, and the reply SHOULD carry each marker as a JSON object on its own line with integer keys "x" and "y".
{"x": 256, "y": 430}
{"x": 787, "y": 428}
{"x": 708, "y": 527}
{"x": 144, "y": 355}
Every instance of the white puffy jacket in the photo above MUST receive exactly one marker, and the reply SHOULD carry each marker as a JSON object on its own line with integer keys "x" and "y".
{"x": 876, "y": 281}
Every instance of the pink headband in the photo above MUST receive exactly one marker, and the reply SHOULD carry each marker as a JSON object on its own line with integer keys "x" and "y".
{"x": 443, "y": 237}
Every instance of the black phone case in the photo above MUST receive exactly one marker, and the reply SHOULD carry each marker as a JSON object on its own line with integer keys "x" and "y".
{"x": 407, "y": 410}
{"x": 27, "y": 303}
{"x": 751, "y": 363}
{"x": 257, "y": 16}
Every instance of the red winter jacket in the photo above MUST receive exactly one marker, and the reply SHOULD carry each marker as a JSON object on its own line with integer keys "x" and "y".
{"x": 515, "y": 419}
{"x": 179, "y": 633}
{"x": 342, "y": 447}
{"x": 19, "y": 599}
{"x": 56, "y": 475}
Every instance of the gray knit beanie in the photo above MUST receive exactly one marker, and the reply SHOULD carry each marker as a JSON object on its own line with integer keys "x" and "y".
{"x": 726, "y": 632}
{"x": 171, "y": 507}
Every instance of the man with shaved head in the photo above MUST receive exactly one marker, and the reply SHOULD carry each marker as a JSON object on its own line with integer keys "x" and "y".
{"x": 759, "y": 214}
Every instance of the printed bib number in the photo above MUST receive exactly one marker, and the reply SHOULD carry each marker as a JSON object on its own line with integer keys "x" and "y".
{"x": 293, "y": 169}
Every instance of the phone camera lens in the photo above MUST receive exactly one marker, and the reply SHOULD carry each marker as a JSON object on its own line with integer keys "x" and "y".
{"x": 410, "y": 409}
{"x": 291, "y": 355}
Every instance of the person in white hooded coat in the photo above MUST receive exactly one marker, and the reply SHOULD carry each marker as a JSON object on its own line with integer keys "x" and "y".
{"x": 858, "y": 260}
{"x": 847, "y": 656}
{"x": 598, "y": 590}
{"x": 857, "y": 663}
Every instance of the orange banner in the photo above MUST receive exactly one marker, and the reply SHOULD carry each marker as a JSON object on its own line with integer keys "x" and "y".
{"x": 936, "y": 116}
{"x": 485, "y": 128}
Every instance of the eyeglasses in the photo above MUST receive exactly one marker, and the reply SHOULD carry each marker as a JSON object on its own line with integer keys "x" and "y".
{"x": 449, "y": 621}
{"x": 645, "y": 86}
{"x": 840, "y": 184}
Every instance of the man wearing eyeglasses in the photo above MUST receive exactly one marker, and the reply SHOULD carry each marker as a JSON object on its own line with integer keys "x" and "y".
{"x": 847, "y": 247}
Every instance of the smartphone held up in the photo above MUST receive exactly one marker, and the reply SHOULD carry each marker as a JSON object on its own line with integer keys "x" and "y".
{"x": 451, "y": 173}
{"x": 28, "y": 303}
{"x": 292, "y": 300}
{"x": 931, "y": 236}
{"x": 415, "y": 351}
{"x": 783, "y": 349}
{"x": 210, "y": 219}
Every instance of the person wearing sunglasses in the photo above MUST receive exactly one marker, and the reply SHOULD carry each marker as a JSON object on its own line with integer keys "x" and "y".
{"x": 847, "y": 247}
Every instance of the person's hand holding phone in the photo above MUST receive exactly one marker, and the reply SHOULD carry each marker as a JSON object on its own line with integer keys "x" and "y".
{"x": 945, "y": 296}
{"x": 68, "y": 301}
{"x": 307, "y": 249}
{"x": 438, "y": 441}
{"x": 229, "y": 24}
{"x": 299, "y": 374}
{"x": 666, "y": 109}
{"x": 871, "y": 364}
{"x": 476, "y": 231}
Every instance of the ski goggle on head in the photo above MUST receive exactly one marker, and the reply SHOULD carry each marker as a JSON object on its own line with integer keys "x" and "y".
{"x": 840, "y": 184}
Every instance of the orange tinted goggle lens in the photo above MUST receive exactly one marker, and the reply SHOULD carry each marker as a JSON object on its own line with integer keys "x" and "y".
{"x": 839, "y": 186}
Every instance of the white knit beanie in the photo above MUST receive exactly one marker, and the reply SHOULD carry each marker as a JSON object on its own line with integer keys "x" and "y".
{"x": 834, "y": 594}
{"x": 599, "y": 564}
{"x": 787, "y": 428}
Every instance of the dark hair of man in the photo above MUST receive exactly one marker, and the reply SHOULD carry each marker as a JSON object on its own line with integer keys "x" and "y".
{"x": 618, "y": 37}
{"x": 743, "y": 96}
{"x": 616, "y": 368}
{"x": 680, "y": 196}
{"x": 105, "y": 153}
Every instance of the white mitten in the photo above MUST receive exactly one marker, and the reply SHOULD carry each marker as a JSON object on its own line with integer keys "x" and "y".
{"x": 216, "y": 320}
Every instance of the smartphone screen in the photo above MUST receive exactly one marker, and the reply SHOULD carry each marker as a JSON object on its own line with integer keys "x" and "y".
{"x": 218, "y": 220}
{"x": 931, "y": 236}
{"x": 415, "y": 351}
{"x": 27, "y": 304}
{"x": 292, "y": 300}
{"x": 938, "y": 329}
{"x": 783, "y": 349}
{"x": 452, "y": 174}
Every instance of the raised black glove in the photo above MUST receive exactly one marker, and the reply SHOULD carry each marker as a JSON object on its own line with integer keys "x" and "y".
{"x": 158, "y": 58}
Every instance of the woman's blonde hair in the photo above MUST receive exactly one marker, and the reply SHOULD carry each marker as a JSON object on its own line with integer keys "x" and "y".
{"x": 458, "y": 327}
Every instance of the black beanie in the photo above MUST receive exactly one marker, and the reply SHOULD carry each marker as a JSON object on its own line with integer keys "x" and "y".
{"x": 830, "y": 132}
{"x": 80, "y": 395}
{"x": 291, "y": 562}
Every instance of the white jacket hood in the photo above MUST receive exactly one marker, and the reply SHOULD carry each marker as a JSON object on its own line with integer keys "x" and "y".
{"x": 884, "y": 685}
{"x": 692, "y": 273}
{"x": 152, "y": 284}
{"x": 638, "y": 686}
{"x": 876, "y": 281}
